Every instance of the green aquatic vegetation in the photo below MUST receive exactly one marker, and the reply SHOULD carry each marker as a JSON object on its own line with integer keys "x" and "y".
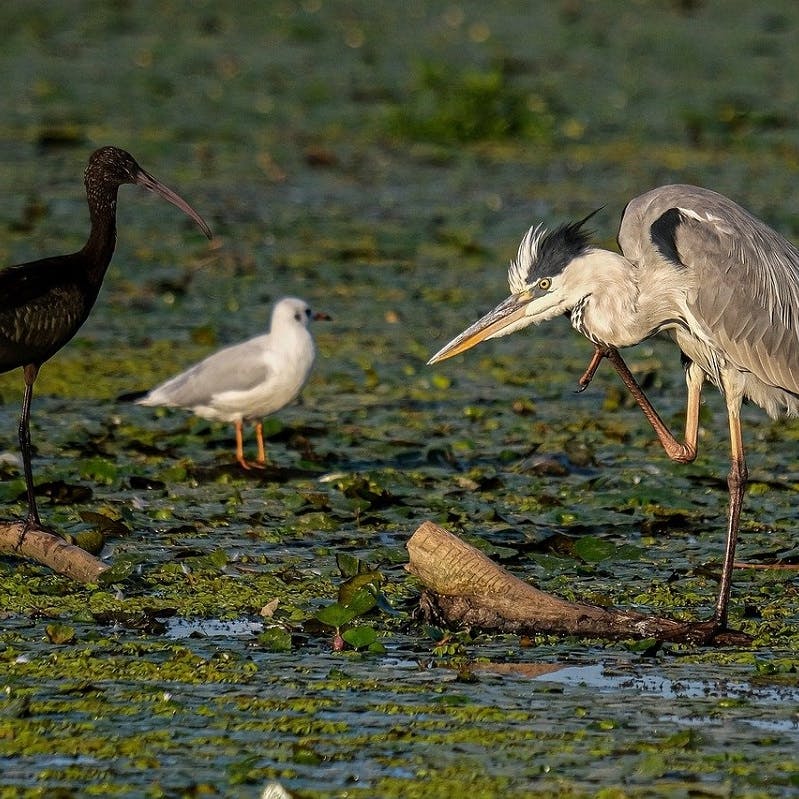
{"x": 358, "y": 596}
{"x": 383, "y": 163}
{"x": 107, "y": 659}
{"x": 449, "y": 107}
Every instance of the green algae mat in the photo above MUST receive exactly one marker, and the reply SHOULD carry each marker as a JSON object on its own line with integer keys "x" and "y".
{"x": 257, "y": 634}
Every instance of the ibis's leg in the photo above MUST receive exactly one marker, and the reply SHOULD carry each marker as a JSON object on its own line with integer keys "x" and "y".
{"x": 29, "y": 374}
{"x": 240, "y": 444}
{"x": 259, "y": 437}
{"x": 682, "y": 452}
{"x": 736, "y": 480}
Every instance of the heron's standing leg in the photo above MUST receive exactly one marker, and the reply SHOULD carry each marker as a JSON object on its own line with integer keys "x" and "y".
{"x": 259, "y": 438}
{"x": 736, "y": 481}
{"x": 694, "y": 377}
{"x": 29, "y": 373}
{"x": 686, "y": 452}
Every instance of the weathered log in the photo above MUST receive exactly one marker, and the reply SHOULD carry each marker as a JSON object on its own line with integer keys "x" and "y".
{"x": 467, "y": 589}
{"x": 50, "y": 550}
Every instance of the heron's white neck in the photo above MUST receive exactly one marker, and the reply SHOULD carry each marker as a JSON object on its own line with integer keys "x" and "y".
{"x": 622, "y": 305}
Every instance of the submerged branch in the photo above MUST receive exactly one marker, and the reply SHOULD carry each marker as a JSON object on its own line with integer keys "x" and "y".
{"x": 466, "y": 588}
{"x": 50, "y": 550}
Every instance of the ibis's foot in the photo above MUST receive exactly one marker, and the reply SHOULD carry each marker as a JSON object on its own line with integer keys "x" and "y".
{"x": 32, "y": 522}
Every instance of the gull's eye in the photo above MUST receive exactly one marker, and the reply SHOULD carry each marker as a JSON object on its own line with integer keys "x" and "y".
{"x": 545, "y": 283}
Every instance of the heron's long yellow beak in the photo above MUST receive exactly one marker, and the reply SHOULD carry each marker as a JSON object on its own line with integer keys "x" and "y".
{"x": 507, "y": 314}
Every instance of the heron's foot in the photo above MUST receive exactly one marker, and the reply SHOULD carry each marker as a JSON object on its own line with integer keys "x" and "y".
{"x": 715, "y": 632}
{"x": 680, "y": 452}
{"x": 588, "y": 374}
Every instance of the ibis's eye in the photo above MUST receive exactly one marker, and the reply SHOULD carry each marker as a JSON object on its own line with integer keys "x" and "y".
{"x": 544, "y": 283}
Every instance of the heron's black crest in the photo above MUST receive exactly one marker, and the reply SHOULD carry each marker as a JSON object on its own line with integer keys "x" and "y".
{"x": 563, "y": 245}
{"x": 546, "y": 253}
{"x": 663, "y": 233}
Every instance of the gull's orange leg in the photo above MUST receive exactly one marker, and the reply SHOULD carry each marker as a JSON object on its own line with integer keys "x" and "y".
{"x": 259, "y": 437}
{"x": 240, "y": 444}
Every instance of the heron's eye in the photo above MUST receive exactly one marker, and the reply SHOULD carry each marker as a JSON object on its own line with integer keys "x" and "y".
{"x": 544, "y": 283}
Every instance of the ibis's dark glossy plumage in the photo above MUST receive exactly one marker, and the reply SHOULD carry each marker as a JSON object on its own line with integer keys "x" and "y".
{"x": 43, "y": 303}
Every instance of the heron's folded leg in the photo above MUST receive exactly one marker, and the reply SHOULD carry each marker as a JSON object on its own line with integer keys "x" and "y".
{"x": 682, "y": 452}
{"x": 588, "y": 374}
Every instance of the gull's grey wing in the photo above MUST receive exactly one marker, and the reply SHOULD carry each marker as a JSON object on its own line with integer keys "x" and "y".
{"x": 744, "y": 276}
{"x": 237, "y": 368}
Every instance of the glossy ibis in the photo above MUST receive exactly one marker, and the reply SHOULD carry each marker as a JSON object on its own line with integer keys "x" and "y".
{"x": 43, "y": 303}
{"x": 248, "y": 381}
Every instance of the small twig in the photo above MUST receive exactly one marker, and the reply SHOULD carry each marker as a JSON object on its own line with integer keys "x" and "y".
{"x": 779, "y": 566}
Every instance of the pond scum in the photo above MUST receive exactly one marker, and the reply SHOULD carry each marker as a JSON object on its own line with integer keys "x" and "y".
{"x": 382, "y": 160}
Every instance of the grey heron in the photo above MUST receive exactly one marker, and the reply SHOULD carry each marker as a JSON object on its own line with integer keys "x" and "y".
{"x": 43, "y": 303}
{"x": 250, "y": 380}
{"x": 695, "y": 267}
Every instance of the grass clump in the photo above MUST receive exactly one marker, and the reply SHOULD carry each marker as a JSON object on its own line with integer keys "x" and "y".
{"x": 456, "y": 107}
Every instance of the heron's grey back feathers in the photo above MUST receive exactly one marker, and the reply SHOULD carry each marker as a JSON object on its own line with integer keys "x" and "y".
{"x": 742, "y": 284}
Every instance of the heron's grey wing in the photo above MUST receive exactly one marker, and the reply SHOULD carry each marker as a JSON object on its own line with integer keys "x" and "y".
{"x": 237, "y": 368}
{"x": 745, "y": 280}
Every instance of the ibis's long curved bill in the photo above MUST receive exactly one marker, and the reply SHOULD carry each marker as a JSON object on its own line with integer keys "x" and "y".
{"x": 147, "y": 181}
{"x": 505, "y": 318}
